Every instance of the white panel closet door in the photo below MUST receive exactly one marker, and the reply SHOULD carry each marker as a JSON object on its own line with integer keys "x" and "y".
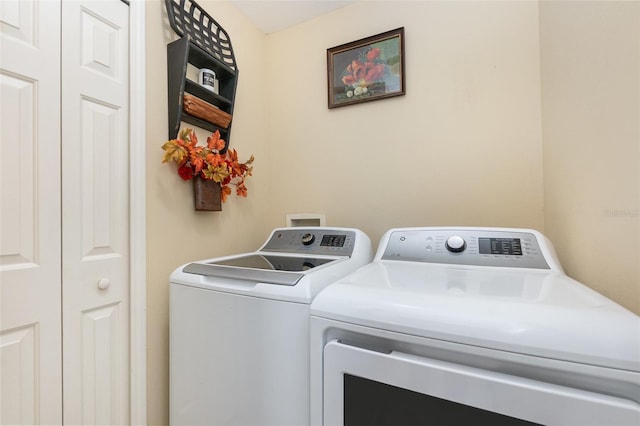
{"x": 30, "y": 345}
{"x": 95, "y": 211}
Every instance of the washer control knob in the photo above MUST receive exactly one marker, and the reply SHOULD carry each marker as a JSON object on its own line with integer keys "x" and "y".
{"x": 308, "y": 239}
{"x": 456, "y": 244}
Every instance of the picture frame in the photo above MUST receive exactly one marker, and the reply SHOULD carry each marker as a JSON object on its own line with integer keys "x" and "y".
{"x": 366, "y": 70}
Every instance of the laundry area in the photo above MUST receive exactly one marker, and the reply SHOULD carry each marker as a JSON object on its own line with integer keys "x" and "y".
{"x": 318, "y": 212}
{"x": 519, "y": 115}
{"x": 448, "y": 325}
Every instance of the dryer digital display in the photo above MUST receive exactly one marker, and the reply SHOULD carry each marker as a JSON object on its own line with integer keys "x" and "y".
{"x": 504, "y": 246}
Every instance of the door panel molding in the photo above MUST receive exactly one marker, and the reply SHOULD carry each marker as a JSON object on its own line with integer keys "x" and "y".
{"x": 30, "y": 271}
{"x": 21, "y": 57}
{"x": 95, "y": 212}
{"x": 19, "y": 361}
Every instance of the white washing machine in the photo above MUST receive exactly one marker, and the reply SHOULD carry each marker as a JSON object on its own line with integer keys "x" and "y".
{"x": 239, "y": 327}
{"x": 459, "y": 326}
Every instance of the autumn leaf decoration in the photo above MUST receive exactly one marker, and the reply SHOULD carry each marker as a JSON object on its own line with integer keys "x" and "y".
{"x": 207, "y": 161}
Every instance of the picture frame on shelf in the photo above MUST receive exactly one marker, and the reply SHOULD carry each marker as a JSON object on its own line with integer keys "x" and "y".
{"x": 365, "y": 70}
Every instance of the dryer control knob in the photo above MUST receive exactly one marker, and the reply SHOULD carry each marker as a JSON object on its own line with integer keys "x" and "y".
{"x": 456, "y": 244}
{"x": 308, "y": 239}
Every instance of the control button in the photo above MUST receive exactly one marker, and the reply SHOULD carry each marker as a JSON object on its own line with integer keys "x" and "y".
{"x": 456, "y": 244}
{"x": 308, "y": 239}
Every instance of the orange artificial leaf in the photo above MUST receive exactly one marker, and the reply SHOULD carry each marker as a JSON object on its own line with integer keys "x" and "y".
{"x": 197, "y": 162}
{"x": 225, "y": 191}
{"x": 188, "y": 138}
{"x": 214, "y": 159}
{"x": 232, "y": 154}
{"x": 215, "y": 142}
{"x": 241, "y": 189}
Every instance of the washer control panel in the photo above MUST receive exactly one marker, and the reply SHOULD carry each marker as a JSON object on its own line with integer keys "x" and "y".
{"x": 334, "y": 242}
{"x": 466, "y": 246}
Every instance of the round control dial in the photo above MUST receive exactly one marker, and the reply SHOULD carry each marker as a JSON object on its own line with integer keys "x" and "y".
{"x": 308, "y": 239}
{"x": 456, "y": 244}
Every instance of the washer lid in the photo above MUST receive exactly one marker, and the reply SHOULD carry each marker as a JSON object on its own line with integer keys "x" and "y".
{"x": 284, "y": 270}
{"x": 526, "y": 311}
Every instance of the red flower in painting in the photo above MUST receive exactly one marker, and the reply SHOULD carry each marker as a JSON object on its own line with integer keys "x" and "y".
{"x": 348, "y": 80}
{"x": 373, "y": 72}
{"x": 373, "y": 54}
{"x": 361, "y": 73}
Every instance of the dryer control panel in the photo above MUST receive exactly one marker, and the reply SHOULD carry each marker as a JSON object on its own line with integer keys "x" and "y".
{"x": 503, "y": 247}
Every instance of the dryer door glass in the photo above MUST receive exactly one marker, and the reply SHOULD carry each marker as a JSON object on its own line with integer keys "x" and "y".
{"x": 367, "y": 402}
{"x": 377, "y": 387}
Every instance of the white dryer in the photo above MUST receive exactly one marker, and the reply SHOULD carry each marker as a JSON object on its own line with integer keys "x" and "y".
{"x": 481, "y": 326}
{"x": 239, "y": 327}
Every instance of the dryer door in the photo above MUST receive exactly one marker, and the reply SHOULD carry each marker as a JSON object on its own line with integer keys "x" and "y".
{"x": 362, "y": 386}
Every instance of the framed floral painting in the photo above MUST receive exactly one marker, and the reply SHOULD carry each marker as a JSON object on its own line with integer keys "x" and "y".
{"x": 367, "y": 69}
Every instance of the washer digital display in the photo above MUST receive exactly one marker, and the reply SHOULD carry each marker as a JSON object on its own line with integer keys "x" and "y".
{"x": 504, "y": 246}
{"x": 333, "y": 240}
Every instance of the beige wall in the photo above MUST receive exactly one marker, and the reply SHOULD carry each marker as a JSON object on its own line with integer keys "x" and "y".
{"x": 463, "y": 147}
{"x": 176, "y": 233}
{"x": 591, "y": 119}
